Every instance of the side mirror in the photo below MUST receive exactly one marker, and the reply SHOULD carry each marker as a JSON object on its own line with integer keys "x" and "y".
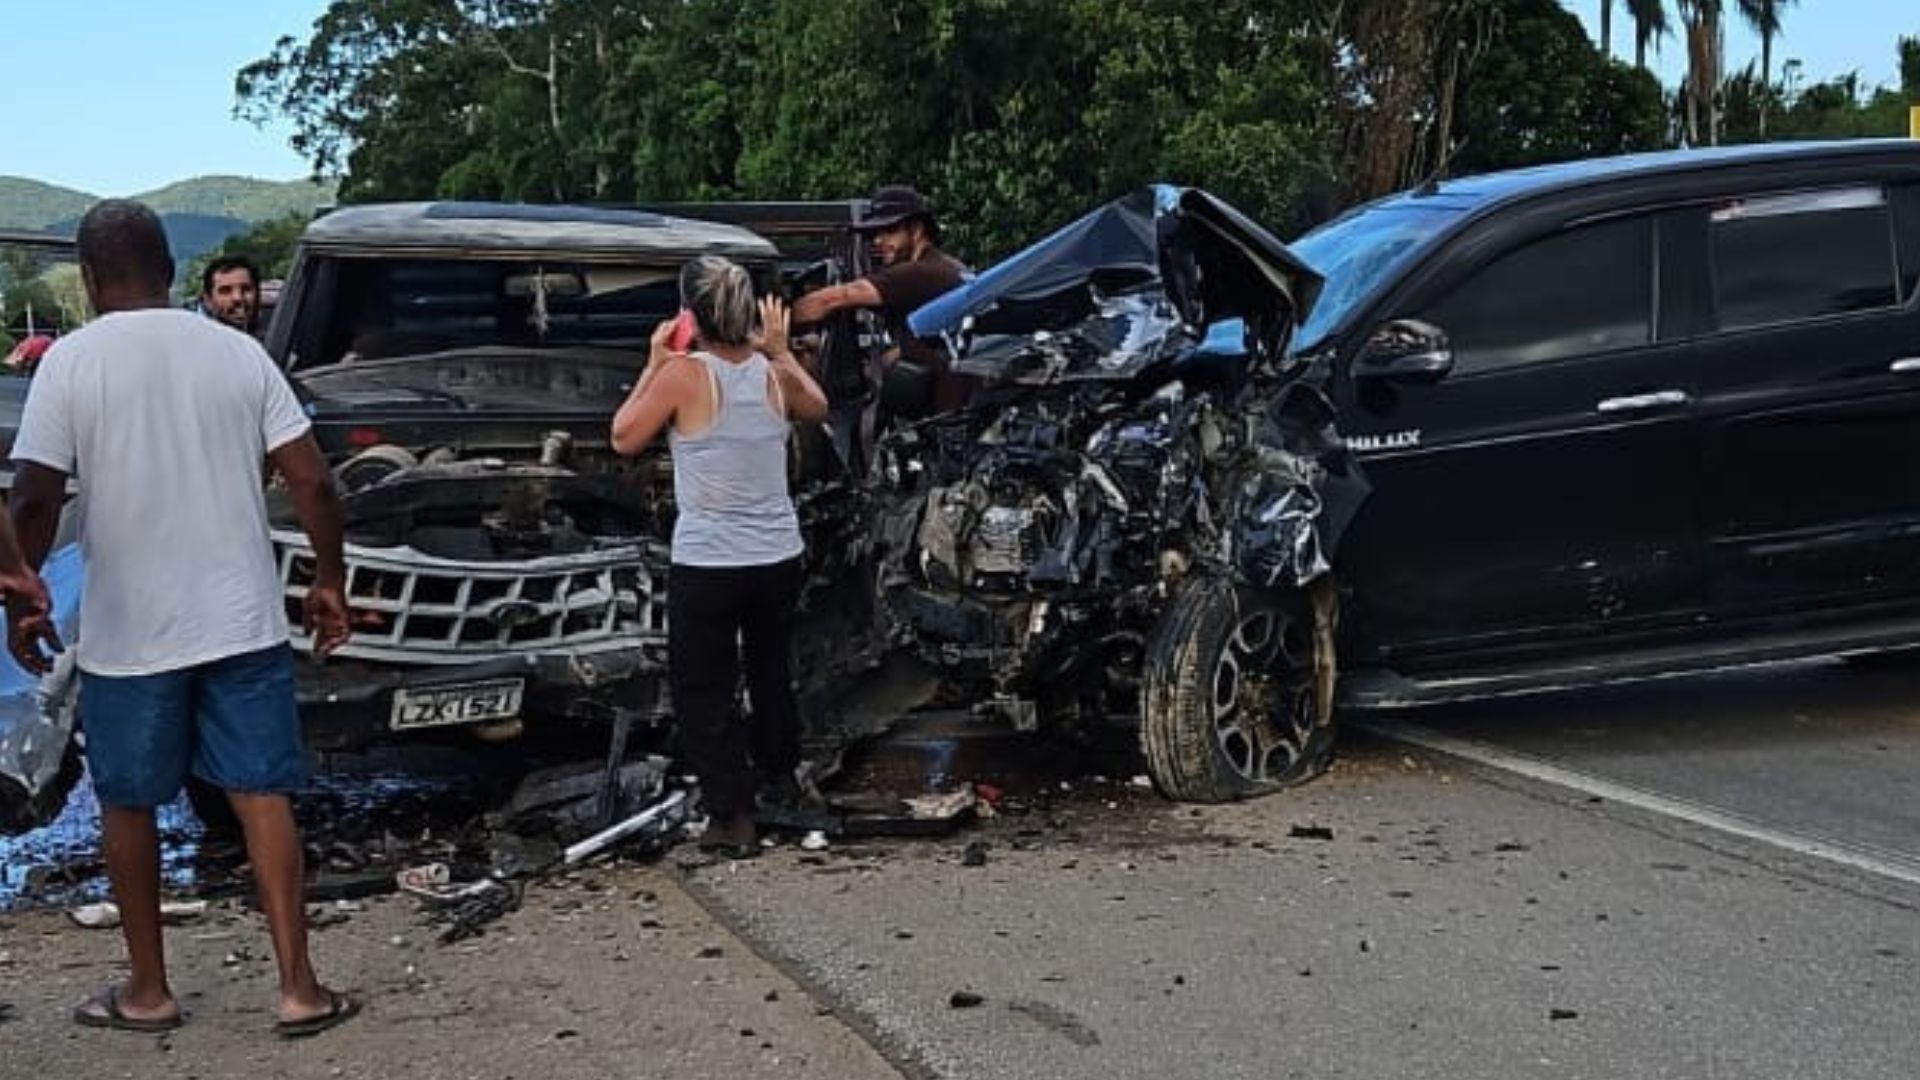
{"x": 1407, "y": 351}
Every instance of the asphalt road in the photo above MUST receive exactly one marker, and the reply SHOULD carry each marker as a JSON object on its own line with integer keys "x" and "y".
{"x": 1823, "y": 754}
{"x": 1702, "y": 878}
{"x": 1690, "y": 879}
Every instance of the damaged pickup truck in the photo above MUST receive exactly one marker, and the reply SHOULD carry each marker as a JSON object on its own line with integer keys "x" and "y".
{"x": 505, "y": 566}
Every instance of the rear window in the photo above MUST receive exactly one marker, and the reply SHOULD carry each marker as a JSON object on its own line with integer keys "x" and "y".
{"x": 1782, "y": 258}
{"x": 376, "y": 308}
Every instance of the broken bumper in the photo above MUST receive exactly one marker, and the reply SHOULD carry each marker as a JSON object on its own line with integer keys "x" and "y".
{"x": 348, "y": 704}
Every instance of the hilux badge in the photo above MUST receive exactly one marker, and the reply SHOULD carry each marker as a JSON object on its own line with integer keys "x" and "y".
{"x": 1391, "y": 440}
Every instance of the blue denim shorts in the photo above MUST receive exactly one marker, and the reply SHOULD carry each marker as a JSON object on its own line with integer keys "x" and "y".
{"x": 235, "y": 722}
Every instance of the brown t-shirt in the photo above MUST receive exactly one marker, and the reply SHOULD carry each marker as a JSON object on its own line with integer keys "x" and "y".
{"x": 904, "y": 287}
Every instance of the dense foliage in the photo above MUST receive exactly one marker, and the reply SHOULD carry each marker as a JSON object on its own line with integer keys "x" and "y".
{"x": 1014, "y": 115}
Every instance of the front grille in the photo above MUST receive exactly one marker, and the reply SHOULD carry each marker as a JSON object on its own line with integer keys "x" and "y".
{"x": 415, "y": 608}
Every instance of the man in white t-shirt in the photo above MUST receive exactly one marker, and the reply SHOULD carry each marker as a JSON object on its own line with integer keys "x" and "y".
{"x": 163, "y": 418}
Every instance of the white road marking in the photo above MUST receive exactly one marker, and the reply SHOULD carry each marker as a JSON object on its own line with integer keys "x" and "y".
{"x": 1855, "y": 856}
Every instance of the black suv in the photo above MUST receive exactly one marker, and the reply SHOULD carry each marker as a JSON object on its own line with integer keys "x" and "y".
{"x": 1626, "y": 417}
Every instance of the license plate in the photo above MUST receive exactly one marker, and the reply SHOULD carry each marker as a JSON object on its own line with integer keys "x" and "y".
{"x": 467, "y": 703}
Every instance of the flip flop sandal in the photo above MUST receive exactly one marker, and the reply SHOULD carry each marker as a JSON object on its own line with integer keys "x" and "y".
{"x": 103, "y": 1011}
{"x": 343, "y": 1008}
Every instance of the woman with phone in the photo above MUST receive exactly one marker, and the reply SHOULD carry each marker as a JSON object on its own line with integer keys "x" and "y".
{"x": 723, "y": 383}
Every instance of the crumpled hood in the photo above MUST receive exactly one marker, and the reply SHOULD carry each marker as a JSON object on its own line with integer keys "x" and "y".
{"x": 1211, "y": 262}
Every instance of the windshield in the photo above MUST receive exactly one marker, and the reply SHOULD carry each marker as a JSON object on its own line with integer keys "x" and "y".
{"x": 1360, "y": 252}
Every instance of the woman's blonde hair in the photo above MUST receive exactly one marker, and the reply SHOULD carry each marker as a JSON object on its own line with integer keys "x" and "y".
{"x": 720, "y": 295}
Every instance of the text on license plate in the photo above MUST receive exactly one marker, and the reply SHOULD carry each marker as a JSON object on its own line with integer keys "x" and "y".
{"x": 467, "y": 703}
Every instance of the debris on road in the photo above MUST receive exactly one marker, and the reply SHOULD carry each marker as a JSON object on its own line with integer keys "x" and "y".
{"x": 657, "y": 823}
{"x": 1562, "y": 1014}
{"x": 468, "y": 917}
{"x": 975, "y": 855}
{"x": 965, "y": 999}
{"x": 105, "y": 915}
{"x": 1310, "y": 832}
{"x": 814, "y": 841}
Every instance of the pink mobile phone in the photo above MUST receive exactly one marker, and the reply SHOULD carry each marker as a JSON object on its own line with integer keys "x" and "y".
{"x": 682, "y": 334}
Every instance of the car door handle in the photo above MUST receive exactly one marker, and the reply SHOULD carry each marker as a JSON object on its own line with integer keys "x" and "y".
{"x": 1658, "y": 399}
{"x": 1906, "y": 365}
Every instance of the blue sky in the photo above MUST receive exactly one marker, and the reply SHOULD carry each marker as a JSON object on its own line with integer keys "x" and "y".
{"x": 121, "y": 96}
{"x": 1828, "y": 37}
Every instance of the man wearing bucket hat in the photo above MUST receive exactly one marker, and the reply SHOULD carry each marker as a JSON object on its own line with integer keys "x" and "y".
{"x": 905, "y": 237}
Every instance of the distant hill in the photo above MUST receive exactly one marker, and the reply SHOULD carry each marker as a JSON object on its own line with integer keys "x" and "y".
{"x": 199, "y": 214}
{"x": 31, "y": 204}
{"x": 240, "y": 197}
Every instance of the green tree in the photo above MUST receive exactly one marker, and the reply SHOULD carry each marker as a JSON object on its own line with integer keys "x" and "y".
{"x": 1013, "y": 115}
{"x": 1650, "y": 26}
{"x": 1542, "y": 93}
{"x": 498, "y": 98}
{"x": 1764, "y": 17}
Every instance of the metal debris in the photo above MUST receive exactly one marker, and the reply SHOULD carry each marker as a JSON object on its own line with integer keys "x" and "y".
{"x": 657, "y": 821}
{"x": 469, "y": 916}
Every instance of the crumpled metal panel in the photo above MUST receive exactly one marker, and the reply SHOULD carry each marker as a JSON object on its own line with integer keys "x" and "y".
{"x": 37, "y": 714}
{"x": 1123, "y": 440}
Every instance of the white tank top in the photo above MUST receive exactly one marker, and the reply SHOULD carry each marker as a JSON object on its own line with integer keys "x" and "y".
{"x": 730, "y": 480}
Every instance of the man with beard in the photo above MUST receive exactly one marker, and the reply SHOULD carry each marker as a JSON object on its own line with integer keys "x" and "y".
{"x": 230, "y": 292}
{"x": 905, "y": 237}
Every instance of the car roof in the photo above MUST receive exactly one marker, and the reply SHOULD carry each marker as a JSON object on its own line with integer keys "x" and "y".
{"x": 478, "y": 229}
{"x": 1484, "y": 190}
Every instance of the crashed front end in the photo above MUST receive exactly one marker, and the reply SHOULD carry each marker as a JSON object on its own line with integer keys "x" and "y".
{"x": 486, "y": 590}
{"x": 1148, "y": 485}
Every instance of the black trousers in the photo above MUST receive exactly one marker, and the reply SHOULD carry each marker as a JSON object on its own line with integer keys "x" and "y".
{"x": 715, "y": 617}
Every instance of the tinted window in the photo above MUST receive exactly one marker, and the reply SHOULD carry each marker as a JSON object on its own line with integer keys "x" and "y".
{"x": 1800, "y": 256}
{"x": 1584, "y": 291}
{"x": 1906, "y": 221}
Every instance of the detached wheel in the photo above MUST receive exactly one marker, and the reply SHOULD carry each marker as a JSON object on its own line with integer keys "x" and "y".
{"x": 1237, "y": 691}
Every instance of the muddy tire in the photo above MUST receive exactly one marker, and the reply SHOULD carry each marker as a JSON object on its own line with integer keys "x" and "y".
{"x": 1236, "y": 695}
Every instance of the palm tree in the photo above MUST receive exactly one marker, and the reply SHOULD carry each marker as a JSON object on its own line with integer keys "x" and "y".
{"x": 1704, "y": 47}
{"x": 1764, "y": 17}
{"x": 1649, "y": 26}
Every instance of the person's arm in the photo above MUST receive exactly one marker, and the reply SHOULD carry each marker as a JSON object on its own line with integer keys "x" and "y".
{"x": 30, "y": 631}
{"x": 287, "y": 435}
{"x": 38, "y": 493}
{"x": 649, "y": 408}
{"x": 310, "y": 488}
{"x": 803, "y": 397}
{"x": 44, "y": 452}
{"x": 820, "y": 303}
